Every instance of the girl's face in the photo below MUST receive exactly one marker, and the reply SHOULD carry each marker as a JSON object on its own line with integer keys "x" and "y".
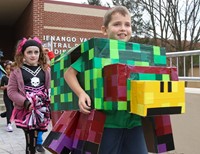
{"x": 31, "y": 55}
{"x": 8, "y": 69}
{"x": 119, "y": 28}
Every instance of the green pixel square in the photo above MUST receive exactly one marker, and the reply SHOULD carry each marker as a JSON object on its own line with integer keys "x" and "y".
{"x": 166, "y": 77}
{"x": 91, "y": 53}
{"x": 97, "y": 62}
{"x": 156, "y": 50}
{"x": 114, "y": 54}
{"x": 87, "y": 79}
{"x": 122, "y": 105}
{"x": 98, "y": 103}
{"x": 107, "y": 105}
{"x": 69, "y": 97}
{"x": 136, "y": 47}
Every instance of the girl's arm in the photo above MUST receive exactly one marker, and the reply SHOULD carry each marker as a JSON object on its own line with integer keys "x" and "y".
{"x": 13, "y": 90}
{"x": 84, "y": 100}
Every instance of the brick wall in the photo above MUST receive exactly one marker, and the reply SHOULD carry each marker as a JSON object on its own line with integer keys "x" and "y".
{"x": 38, "y": 14}
{"x": 74, "y": 22}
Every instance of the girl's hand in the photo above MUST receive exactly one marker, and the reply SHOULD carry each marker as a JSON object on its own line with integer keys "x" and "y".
{"x": 4, "y": 87}
{"x": 84, "y": 103}
{"x": 30, "y": 107}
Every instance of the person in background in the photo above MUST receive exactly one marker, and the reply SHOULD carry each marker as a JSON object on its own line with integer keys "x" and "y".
{"x": 123, "y": 133}
{"x": 28, "y": 88}
{"x": 49, "y": 55}
{"x": 8, "y": 103}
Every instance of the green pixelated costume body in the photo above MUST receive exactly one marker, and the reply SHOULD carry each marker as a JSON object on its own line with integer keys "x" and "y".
{"x": 93, "y": 55}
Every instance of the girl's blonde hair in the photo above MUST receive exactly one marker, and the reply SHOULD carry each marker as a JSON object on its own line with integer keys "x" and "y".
{"x": 22, "y": 45}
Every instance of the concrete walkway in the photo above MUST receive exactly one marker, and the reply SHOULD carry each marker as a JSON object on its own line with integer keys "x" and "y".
{"x": 14, "y": 142}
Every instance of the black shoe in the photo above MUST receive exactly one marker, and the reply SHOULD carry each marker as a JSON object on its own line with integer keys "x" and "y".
{"x": 39, "y": 148}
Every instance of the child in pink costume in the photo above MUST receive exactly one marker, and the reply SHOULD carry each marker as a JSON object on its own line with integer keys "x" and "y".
{"x": 28, "y": 88}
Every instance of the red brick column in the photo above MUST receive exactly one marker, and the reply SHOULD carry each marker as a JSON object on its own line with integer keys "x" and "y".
{"x": 38, "y": 13}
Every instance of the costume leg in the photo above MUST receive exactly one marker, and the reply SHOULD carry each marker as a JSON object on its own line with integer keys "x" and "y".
{"x": 31, "y": 138}
{"x": 39, "y": 147}
{"x": 39, "y": 138}
{"x": 9, "y": 108}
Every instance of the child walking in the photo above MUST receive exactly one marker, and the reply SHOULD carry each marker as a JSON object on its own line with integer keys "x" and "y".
{"x": 28, "y": 88}
{"x": 123, "y": 132}
{"x": 6, "y": 99}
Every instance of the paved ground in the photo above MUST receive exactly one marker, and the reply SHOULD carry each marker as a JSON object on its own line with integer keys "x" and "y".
{"x": 13, "y": 142}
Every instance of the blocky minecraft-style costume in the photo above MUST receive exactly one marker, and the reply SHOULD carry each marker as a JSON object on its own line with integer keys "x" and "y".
{"x": 116, "y": 75}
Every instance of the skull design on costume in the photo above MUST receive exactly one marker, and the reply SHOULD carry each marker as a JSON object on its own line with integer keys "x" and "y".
{"x": 35, "y": 81}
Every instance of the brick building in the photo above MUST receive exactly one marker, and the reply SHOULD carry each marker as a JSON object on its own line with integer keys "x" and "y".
{"x": 61, "y": 24}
